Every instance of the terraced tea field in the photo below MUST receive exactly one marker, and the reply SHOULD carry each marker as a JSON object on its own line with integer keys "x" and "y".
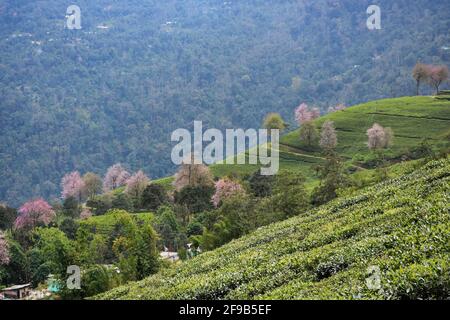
{"x": 105, "y": 224}
{"x": 411, "y": 118}
{"x": 397, "y": 231}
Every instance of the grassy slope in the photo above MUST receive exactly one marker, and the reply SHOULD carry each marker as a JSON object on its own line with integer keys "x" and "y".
{"x": 402, "y": 226}
{"x": 411, "y": 118}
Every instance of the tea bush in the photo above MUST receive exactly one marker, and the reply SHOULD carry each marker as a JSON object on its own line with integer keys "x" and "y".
{"x": 400, "y": 226}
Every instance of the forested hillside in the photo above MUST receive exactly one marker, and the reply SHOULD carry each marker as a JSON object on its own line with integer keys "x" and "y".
{"x": 394, "y": 235}
{"x": 115, "y": 90}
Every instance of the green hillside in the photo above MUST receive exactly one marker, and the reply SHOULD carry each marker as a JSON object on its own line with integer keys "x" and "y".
{"x": 412, "y": 119}
{"x": 401, "y": 226}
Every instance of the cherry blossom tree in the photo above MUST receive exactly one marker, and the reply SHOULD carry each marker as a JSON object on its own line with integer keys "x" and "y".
{"x": 420, "y": 73}
{"x": 190, "y": 174}
{"x": 72, "y": 186}
{"x": 115, "y": 177}
{"x": 379, "y": 137}
{"x": 225, "y": 188}
{"x": 4, "y": 249}
{"x": 302, "y": 114}
{"x": 136, "y": 185}
{"x": 328, "y": 137}
{"x": 376, "y": 137}
{"x": 34, "y": 213}
{"x": 437, "y": 75}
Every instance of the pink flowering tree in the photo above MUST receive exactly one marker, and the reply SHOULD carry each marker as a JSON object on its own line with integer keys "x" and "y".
{"x": 34, "y": 213}
{"x": 4, "y": 249}
{"x": 115, "y": 177}
{"x": 437, "y": 75}
{"x": 136, "y": 185}
{"x": 379, "y": 137}
{"x": 193, "y": 175}
{"x": 225, "y": 188}
{"x": 328, "y": 137}
{"x": 304, "y": 114}
{"x": 420, "y": 73}
{"x": 375, "y": 137}
{"x": 72, "y": 186}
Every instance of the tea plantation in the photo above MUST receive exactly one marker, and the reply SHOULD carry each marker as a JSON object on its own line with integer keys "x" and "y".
{"x": 388, "y": 241}
{"x": 105, "y": 224}
{"x": 411, "y": 118}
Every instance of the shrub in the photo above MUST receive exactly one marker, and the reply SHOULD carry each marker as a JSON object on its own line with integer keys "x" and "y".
{"x": 69, "y": 226}
{"x": 100, "y": 204}
{"x": 122, "y": 201}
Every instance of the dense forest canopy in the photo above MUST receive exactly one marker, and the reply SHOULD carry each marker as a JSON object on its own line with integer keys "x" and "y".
{"x": 115, "y": 90}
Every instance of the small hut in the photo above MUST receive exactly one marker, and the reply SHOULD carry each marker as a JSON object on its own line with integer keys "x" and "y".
{"x": 17, "y": 292}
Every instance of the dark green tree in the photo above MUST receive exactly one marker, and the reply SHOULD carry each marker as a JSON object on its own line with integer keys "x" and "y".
{"x": 332, "y": 177}
{"x": 95, "y": 280}
{"x": 148, "y": 255}
{"x": 260, "y": 185}
{"x": 122, "y": 201}
{"x": 100, "y": 204}
{"x": 71, "y": 207}
{"x": 18, "y": 268}
{"x": 154, "y": 196}
{"x": 69, "y": 226}
{"x": 289, "y": 194}
{"x": 194, "y": 228}
{"x": 195, "y": 198}
{"x": 7, "y": 217}
{"x": 168, "y": 228}
{"x": 52, "y": 253}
